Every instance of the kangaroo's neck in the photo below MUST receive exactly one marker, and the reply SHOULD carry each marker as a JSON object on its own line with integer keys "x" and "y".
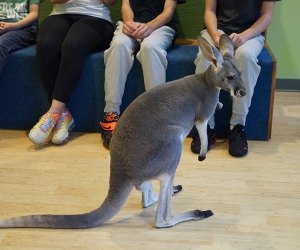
{"x": 211, "y": 78}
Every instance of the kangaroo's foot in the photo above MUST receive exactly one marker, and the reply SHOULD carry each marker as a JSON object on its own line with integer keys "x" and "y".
{"x": 190, "y": 215}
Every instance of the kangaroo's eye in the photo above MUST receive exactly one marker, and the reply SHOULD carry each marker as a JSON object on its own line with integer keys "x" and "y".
{"x": 230, "y": 78}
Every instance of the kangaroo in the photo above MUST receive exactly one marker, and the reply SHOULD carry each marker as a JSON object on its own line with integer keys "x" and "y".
{"x": 147, "y": 143}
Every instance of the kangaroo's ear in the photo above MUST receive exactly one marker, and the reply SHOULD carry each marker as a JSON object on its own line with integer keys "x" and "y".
{"x": 211, "y": 53}
{"x": 226, "y": 46}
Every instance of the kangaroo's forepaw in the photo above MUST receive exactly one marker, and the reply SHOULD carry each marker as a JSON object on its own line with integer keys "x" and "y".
{"x": 200, "y": 215}
{"x": 177, "y": 189}
{"x": 201, "y": 157}
{"x": 219, "y": 106}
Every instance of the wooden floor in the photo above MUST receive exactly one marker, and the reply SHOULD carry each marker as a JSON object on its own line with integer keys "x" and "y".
{"x": 256, "y": 199}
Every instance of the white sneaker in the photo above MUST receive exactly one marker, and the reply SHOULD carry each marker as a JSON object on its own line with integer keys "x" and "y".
{"x": 41, "y": 132}
{"x": 61, "y": 130}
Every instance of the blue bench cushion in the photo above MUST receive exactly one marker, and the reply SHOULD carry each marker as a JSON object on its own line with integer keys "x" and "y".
{"x": 23, "y": 100}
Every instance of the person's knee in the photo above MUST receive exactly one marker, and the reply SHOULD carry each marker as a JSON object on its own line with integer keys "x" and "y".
{"x": 119, "y": 47}
{"x": 70, "y": 47}
{"x": 148, "y": 47}
{"x": 46, "y": 45}
{"x": 244, "y": 55}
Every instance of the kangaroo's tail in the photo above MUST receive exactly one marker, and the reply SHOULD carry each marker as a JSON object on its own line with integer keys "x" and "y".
{"x": 116, "y": 197}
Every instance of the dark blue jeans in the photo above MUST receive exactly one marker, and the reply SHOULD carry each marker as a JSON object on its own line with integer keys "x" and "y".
{"x": 13, "y": 40}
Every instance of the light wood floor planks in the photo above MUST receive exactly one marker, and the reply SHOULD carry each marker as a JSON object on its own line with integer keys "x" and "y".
{"x": 256, "y": 199}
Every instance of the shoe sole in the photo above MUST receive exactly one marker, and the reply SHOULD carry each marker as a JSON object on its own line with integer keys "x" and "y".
{"x": 38, "y": 143}
{"x": 238, "y": 154}
{"x": 64, "y": 140}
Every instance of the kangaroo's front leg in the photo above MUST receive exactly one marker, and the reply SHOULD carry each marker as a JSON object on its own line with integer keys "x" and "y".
{"x": 202, "y": 130}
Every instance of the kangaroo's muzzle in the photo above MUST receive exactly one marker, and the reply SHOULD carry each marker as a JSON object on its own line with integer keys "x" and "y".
{"x": 239, "y": 92}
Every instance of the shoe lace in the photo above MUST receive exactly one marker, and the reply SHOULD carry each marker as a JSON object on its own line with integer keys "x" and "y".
{"x": 46, "y": 124}
{"x": 111, "y": 117}
{"x": 60, "y": 121}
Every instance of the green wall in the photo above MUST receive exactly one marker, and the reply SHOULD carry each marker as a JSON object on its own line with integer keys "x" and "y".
{"x": 190, "y": 17}
{"x": 283, "y": 37}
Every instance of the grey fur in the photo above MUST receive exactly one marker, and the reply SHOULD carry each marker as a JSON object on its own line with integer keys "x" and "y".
{"x": 147, "y": 143}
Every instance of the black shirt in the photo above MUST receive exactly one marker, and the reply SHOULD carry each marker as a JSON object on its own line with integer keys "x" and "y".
{"x": 238, "y": 15}
{"x": 146, "y": 10}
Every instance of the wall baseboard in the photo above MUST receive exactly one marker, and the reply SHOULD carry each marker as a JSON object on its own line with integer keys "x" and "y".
{"x": 288, "y": 84}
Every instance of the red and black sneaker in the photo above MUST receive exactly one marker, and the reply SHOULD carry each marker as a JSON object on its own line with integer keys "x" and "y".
{"x": 196, "y": 143}
{"x": 108, "y": 125}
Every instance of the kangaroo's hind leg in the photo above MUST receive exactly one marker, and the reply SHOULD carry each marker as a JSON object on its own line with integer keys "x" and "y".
{"x": 149, "y": 197}
{"x": 164, "y": 216}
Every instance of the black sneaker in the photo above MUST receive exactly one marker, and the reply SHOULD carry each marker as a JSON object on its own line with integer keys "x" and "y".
{"x": 196, "y": 143}
{"x": 238, "y": 145}
{"x": 108, "y": 125}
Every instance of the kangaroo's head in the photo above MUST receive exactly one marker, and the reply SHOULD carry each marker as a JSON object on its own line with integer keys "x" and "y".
{"x": 222, "y": 73}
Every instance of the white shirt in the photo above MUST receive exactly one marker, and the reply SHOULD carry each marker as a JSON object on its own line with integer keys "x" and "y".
{"x": 93, "y": 8}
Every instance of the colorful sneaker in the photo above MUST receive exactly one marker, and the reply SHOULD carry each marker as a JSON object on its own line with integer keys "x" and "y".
{"x": 41, "y": 132}
{"x": 238, "y": 145}
{"x": 196, "y": 143}
{"x": 61, "y": 129}
{"x": 108, "y": 125}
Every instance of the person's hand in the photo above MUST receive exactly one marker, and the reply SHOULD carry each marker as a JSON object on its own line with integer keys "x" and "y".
{"x": 129, "y": 27}
{"x": 142, "y": 31}
{"x": 237, "y": 39}
{"x": 4, "y": 27}
{"x": 216, "y": 38}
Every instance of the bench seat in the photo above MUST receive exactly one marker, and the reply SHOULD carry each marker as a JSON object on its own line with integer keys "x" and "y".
{"x": 23, "y": 100}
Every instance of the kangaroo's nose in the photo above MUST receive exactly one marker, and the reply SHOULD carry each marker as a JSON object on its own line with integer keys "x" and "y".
{"x": 240, "y": 92}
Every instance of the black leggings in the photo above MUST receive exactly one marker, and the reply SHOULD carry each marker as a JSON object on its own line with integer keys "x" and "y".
{"x": 63, "y": 43}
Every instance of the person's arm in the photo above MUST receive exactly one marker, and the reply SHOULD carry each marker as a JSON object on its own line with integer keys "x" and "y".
{"x": 29, "y": 19}
{"x": 258, "y": 27}
{"x": 210, "y": 19}
{"x": 129, "y": 26}
{"x": 145, "y": 29}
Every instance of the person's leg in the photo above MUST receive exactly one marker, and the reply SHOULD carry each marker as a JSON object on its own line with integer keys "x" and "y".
{"x": 202, "y": 65}
{"x": 118, "y": 61}
{"x": 14, "y": 40}
{"x": 153, "y": 56}
{"x": 246, "y": 61}
{"x": 85, "y": 36}
{"x": 79, "y": 36}
{"x": 51, "y": 35}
